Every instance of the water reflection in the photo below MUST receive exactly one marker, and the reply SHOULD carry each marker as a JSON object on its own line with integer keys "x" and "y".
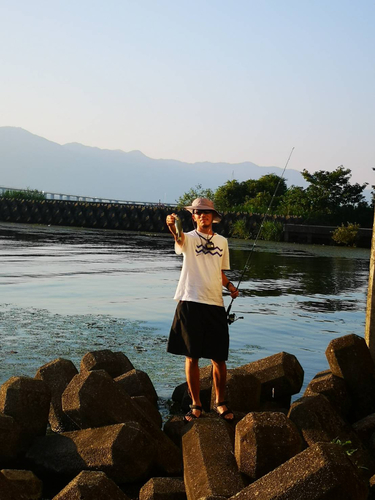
{"x": 273, "y": 274}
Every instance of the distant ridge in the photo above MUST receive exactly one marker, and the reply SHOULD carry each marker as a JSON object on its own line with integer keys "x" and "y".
{"x": 30, "y": 161}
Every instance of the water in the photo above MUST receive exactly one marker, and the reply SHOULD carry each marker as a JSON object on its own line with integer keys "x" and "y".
{"x": 66, "y": 291}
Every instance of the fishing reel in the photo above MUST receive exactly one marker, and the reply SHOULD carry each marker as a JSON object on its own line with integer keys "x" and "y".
{"x": 231, "y": 318}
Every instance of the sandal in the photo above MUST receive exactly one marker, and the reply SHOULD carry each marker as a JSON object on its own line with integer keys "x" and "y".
{"x": 228, "y": 411}
{"x": 191, "y": 414}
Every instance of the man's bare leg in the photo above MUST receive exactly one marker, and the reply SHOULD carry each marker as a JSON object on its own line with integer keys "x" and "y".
{"x": 192, "y": 378}
{"x": 219, "y": 375}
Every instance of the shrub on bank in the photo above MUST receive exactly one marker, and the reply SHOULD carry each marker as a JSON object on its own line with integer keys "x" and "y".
{"x": 271, "y": 231}
{"x": 346, "y": 235}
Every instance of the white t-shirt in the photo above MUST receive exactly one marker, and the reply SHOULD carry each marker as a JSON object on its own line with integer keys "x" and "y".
{"x": 200, "y": 279}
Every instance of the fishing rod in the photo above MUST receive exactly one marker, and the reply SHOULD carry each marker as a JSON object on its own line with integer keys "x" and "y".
{"x": 232, "y": 317}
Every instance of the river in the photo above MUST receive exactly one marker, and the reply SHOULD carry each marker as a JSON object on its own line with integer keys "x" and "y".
{"x": 66, "y": 291}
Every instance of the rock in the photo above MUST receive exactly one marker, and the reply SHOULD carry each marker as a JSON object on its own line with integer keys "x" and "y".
{"x": 125, "y": 452}
{"x": 163, "y": 488}
{"x": 148, "y": 408}
{"x": 138, "y": 383}
{"x": 242, "y": 391}
{"x": 280, "y": 375}
{"x": 10, "y": 439}
{"x": 264, "y": 441}
{"x": 321, "y": 472}
{"x": 57, "y": 374}
{"x": 210, "y": 468}
{"x": 90, "y": 485}
{"x": 345, "y": 355}
{"x": 26, "y": 400}
{"x": 26, "y": 481}
{"x": 318, "y": 421}
{"x": 94, "y": 399}
{"x": 333, "y": 388}
{"x": 114, "y": 363}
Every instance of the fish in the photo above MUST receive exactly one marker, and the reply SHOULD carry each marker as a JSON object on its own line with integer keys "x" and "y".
{"x": 178, "y": 226}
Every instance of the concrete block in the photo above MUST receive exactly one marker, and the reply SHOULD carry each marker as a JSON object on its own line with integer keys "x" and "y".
{"x": 10, "y": 491}
{"x": 148, "y": 408}
{"x": 318, "y": 421}
{"x": 90, "y": 485}
{"x": 174, "y": 428}
{"x": 94, "y": 399}
{"x": 372, "y": 488}
{"x": 181, "y": 394}
{"x": 26, "y": 481}
{"x": 322, "y": 472}
{"x": 242, "y": 391}
{"x": 10, "y": 439}
{"x": 365, "y": 428}
{"x": 210, "y": 468}
{"x": 138, "y": 383}
{"x": 350, "y": 359}
{"x": 333, "y": 388}
{"x": 114, "y": 363}
{"x": 280, "y": 375}
{"x": 264, "y": 441}
{"x": 57, "y": 375}
{"x": 26, "y": 400}
{"x": 163, "y": 488}
{"x": 125, "y": 452}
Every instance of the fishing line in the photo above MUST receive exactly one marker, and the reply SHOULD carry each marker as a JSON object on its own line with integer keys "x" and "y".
{"x": 232, "y": 317}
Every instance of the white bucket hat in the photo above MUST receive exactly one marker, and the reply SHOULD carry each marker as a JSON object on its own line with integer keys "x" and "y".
{"x": 204, "y": 204}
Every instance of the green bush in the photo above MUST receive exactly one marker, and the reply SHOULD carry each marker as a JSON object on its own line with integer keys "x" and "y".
{"x": 346, "y": 235}
{"x": 27, "y": 194}
{"x": 271, "y": 231}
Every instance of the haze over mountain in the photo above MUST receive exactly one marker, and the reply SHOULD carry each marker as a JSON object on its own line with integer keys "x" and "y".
{"x": 30, "y": 161}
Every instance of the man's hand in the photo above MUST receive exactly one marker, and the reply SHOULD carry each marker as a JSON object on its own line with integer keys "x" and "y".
{"x": 171, "y": 220}
{"x": 234, "y": 292}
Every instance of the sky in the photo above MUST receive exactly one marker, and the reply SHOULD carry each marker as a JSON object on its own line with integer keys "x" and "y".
{"x": 208, "y": 80}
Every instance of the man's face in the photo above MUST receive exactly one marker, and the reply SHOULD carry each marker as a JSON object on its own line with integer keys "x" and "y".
{"x": 203, "y": 218}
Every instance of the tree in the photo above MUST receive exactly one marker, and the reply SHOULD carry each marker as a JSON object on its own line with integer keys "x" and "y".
{"x": 295, "y": 202}
{"x": 267, "y": 184}
{"x": 230, "y": 196}
{"x": 251, "y": 195}
{"x": 261, "y": 192}
{"x": 330, "y": 191}
{"x": 197, "y": 192}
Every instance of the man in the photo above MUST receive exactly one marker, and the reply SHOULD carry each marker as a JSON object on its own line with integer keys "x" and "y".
{"x": 200, "y": 327}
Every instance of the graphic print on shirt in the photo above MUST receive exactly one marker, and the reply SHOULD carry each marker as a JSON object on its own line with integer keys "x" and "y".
{"x": 201, "y": 249}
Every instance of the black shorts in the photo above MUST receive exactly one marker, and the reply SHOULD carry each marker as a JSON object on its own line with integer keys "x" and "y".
{"x": 199, "y": 331}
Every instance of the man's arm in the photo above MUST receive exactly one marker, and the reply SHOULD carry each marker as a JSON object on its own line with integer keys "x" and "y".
{"x": 229, "y": 286}
{"x": 172, "y": 228}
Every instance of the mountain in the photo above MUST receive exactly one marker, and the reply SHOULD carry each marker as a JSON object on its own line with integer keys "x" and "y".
{"x": 30, "y": 161}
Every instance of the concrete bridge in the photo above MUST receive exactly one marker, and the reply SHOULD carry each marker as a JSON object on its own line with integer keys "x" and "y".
{"x": 87, "y": 199}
